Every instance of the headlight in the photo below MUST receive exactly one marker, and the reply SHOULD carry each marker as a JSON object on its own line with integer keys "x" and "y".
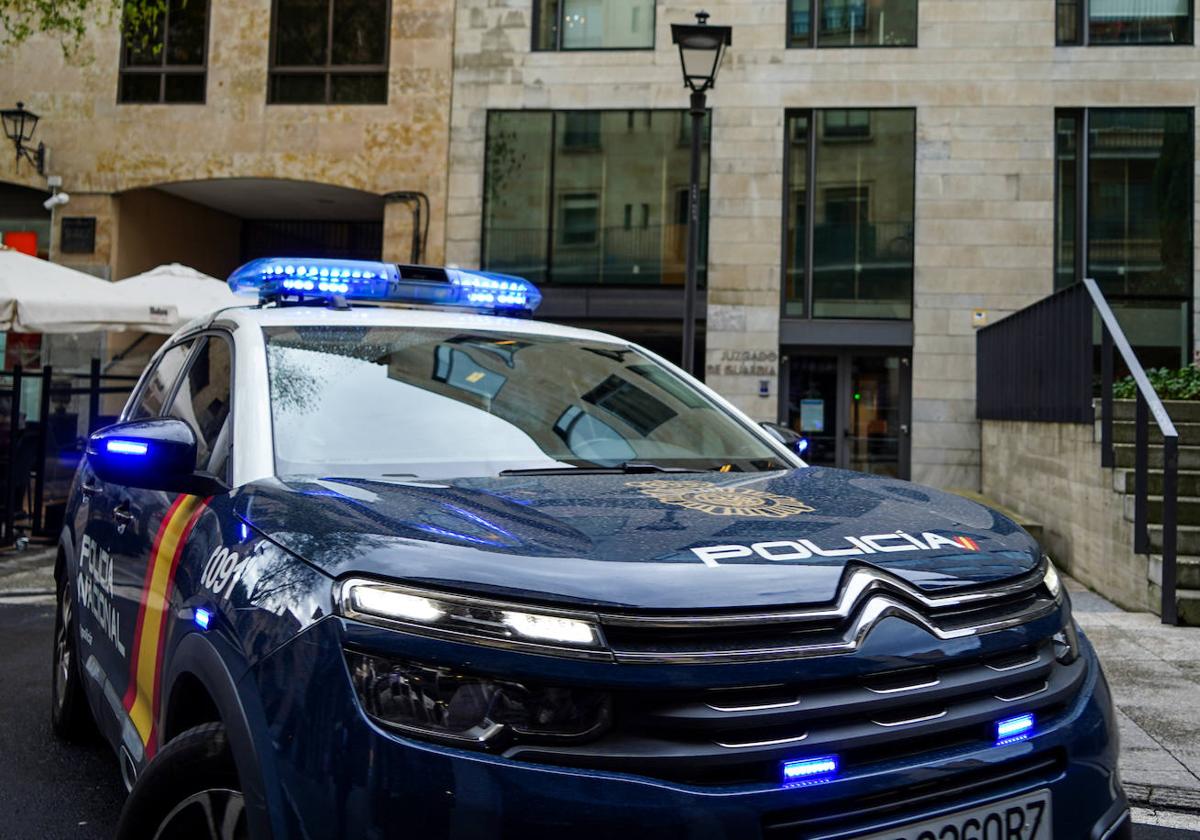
{"x": 1050, "y": 578}
{"x": 472, "y": 619}
{"x": 474, "y": 710}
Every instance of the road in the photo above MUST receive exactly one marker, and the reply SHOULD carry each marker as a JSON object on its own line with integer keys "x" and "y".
{"x": 49, "y": 791}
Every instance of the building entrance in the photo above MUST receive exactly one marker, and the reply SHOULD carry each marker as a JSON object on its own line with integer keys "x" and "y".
{"x": 853, "y": 406}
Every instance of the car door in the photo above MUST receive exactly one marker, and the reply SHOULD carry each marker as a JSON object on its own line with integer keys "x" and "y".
{"x": 106, "y": 613}
{"x": 158, "y": 524}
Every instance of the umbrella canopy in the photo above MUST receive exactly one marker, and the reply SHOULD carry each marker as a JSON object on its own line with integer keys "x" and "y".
{"x": 41, "y": 296}
{"x": 180, "y": 292}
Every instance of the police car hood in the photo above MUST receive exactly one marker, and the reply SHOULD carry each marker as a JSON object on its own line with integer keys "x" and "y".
{"x": 657, "y": 541}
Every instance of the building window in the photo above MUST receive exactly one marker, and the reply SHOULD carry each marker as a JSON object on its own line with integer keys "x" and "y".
{"x": 852, "y": 23}
{"x": 1100, "y": 22}
{"x": 593, "y": 24}
{"x": 329, "y": 51}
{"x": 168, "y": 63}
{"x": 849, "y": 213}
{"x": 605, "y": 216}
{"x": 1130, "y": 226}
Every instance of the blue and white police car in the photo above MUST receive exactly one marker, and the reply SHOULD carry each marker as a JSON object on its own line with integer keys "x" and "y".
{"x": 367, "y": 558}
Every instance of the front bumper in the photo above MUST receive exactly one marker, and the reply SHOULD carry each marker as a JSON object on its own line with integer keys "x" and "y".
{"x": 338, "y": 774}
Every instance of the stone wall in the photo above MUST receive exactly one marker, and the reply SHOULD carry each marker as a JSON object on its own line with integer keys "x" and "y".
{"x": 102, "y": 148}
{"x": 1051, "y": 473}
{"x": 984, "y": 80}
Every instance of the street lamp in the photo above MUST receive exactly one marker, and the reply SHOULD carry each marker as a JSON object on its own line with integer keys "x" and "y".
{"x": 701, "y": 48}
{"x": 19, "y": 126}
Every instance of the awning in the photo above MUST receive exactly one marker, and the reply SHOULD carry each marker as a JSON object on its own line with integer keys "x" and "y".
{"x": 179, "y": 293}
{"x": 44, "y": 297}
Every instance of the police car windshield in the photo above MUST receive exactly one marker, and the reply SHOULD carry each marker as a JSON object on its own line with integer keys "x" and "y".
{"x": 444, "y": 403}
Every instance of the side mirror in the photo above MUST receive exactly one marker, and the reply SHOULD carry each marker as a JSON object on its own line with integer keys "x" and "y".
{"x": 156, "y": 454}
{"x": 789, "y": 438}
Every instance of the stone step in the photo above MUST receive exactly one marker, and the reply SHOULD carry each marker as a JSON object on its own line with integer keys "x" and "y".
{"x": 1126, "y": 432}
{"x": 1180, "y": 411}
{"x": 1187, "y": 603}
{"x": 1187, "y": 510}
{"x": 1187, "y": 571}
{"x": 1187, "y": 542}
{"x": 1189, "y": 482}
{"x": 1189, "y": 456}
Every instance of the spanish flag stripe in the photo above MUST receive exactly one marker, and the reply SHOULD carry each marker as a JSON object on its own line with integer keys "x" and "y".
{"x": 155, "y": 601}
{"x": 162, "y": 636}
{"x": 131, "y": 689}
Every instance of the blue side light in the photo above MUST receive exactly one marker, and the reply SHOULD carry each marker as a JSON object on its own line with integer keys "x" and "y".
{"x": 275, "y": 277}
{"x": 202, "y": 617}
{"x": 126, "y": 447}
{"x": 802, "y": 446}
{"x": 1014, "y": 729}
{"x": 810, "y": 771}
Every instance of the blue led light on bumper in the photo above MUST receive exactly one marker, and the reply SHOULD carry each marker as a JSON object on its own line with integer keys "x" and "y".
{"x": 1010, "y": 730}
{"x": 317, "y": 279}
{"x": 810, "y": 771}
{"x": 126, "y": 447}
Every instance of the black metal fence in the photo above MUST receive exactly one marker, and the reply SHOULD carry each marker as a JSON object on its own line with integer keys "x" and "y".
{"x": 45, "y": 419}
{"x": 1039, "y": 364}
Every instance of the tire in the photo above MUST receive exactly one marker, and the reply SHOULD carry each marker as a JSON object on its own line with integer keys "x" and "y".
{"x": 70, "y": 718}
{"x": 189, "y": 791}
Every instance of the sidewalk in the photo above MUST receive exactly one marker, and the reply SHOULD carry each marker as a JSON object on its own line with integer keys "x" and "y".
{"x": 1154, "y": 673}
{"x": 27, "y": 576}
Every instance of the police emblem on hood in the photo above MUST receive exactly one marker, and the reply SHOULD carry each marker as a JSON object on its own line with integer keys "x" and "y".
{"x": 707, "y": 497}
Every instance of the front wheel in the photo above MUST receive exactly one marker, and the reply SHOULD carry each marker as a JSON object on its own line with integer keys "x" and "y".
{"x": 190, "y": 791}
{"x": 70, "y": 717}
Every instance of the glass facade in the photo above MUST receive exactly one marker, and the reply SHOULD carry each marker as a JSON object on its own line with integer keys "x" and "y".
{"x": 589, "y": 197}
{"x": 593, "y": 24}
{"x": 852, "y": 23}
{"x": 1134, "y": 232}
{"x": 169, "y": 64}
{"x": 1102, "y": 22}
{"x": 849, "y": 241}
{"x": 329, "y": 51}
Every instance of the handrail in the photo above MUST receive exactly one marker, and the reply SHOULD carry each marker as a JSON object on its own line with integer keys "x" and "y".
{"x": 1148, "y": 402}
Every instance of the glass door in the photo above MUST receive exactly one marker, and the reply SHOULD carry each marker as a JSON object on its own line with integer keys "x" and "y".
{"x": 853, "y": 407}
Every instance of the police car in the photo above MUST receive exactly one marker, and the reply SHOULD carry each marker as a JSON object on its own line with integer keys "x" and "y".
{"x": 368, "y": 558}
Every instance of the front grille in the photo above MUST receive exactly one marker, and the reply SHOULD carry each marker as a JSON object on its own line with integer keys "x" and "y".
{"x": 740, "y": 736}
{"x": 866, "y": 596}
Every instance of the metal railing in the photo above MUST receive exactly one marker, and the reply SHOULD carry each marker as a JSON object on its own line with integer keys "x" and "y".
{"x": 1038, "y": 364}
{"x": 43, "y": 431}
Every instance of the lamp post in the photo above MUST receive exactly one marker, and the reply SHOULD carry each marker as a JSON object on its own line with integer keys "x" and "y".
{"x": 19, "y": 126}
{"x": 701, "y": 48}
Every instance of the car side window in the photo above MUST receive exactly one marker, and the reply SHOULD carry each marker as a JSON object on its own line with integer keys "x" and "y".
{"x": 157, "y": 386}
{"x": 203, "y": 401}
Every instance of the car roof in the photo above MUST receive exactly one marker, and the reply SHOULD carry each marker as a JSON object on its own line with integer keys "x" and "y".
{"x": 394, "y": 316}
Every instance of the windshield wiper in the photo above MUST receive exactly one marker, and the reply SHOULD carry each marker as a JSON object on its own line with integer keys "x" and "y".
{"x": 628, "y": 468}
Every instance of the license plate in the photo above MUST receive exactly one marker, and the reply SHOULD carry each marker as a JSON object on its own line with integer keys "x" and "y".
{"x": 1020, "y": 818}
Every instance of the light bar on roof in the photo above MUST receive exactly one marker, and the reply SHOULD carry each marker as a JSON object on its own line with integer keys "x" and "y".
{"x": 282, "y": 278}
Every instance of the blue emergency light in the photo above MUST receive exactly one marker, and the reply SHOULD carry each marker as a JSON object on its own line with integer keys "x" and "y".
{"x": 810, "y": 771}
{"x": 1010, "y": 730}
{"x": 282, "y": 278}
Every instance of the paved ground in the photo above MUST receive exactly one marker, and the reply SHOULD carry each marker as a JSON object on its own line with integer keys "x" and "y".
{"x": 48, "y": 791}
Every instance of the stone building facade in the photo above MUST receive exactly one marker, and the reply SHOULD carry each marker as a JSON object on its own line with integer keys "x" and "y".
{"x": 986, "y": 84}
{"x": 872, "y": 198}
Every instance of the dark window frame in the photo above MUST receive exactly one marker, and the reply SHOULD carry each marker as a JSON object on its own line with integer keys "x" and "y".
{"x": 163, "y": 69}
{"x": 552, "y": 220}
{"x": 814, "y": 38}
{"x": 201, "y": 339}
{"x": 1083, "y": 30}
{"x": 536, "y": 20}
{"x": 328, "y": 70}
{"x": 1082, "y": 204}
{"x": 809, "y": 233}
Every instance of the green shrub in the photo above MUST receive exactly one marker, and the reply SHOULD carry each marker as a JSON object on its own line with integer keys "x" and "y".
{"x": 1168, "y": 383}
